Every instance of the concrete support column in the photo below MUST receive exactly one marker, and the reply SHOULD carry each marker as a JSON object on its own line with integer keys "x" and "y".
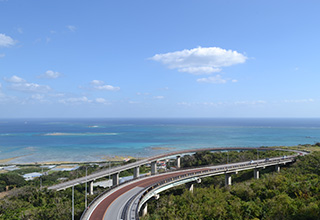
{"x": 256, "y": 173}
{"x": 136, "y": 172}
{"x": 91, "y": 188}
{"x": 228, "y": 179}
{"x": 115, "y": 179}
{"x": 277, "y": 168}
{"x": 178, "y": 162}
{"x": 145, "y": 210}
{"x": 153, "y": 167}
{"x": 191, "y": 188}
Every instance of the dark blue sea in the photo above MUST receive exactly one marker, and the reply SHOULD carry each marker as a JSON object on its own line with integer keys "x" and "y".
{"x": 75, "y": 140}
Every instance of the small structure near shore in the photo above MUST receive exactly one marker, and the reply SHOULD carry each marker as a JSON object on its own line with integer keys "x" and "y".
{"x": 69, "y": 167}
{"x": 31, "y": 176}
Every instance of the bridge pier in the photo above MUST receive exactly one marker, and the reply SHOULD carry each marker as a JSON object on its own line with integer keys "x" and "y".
{"x": 153, "y": 167}
{"x": 191, "y": 188}
{"x": 178, "y": 165}
{"x": 136, "y": 172}
{"x": 228, "y": 179}
{"x": 115, "y": 179}
{"x": 278, "y": 168}
{"x": 145, "y": 210}
{"x": 256, "y": 173}
{"x": 91, "y": 188}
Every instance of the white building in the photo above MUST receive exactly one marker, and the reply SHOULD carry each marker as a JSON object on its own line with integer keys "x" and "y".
{"x": 31, "y": 176}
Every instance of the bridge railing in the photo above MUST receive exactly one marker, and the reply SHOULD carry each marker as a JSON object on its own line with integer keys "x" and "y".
{"x": 120, "y": 184}
{"x": 161, "y": 183}
{"x": 119, "y": 168}
{"x": 225, "y": 168}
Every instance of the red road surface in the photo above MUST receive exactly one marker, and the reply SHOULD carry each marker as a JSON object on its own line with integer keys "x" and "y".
{"x": 100, "y": 210}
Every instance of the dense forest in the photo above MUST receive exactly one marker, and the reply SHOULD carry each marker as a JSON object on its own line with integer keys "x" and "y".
{"x": 294, "y": 193}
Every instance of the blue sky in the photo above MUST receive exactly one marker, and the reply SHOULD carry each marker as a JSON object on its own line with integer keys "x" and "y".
{"x": 164, "y": 58}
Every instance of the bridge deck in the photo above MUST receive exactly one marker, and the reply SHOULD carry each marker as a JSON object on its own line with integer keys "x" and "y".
{"x": 102, "y": 208}
{"x": 107, "y": 172}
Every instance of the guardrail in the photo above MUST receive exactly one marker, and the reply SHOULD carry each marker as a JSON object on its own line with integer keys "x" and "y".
{"x": 113, "y": 170}
{"x": 120, "y": 184}
{"x": 105, "y": 192}
{"x": 143, "y": 194}
{"x": 225, "y": 168}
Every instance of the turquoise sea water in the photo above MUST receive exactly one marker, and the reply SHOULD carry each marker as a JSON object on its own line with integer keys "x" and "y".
{"x": 41, "y": 140}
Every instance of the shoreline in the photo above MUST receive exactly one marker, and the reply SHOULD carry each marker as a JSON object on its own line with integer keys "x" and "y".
{"x": 115, "y": 158}
{"x": 98, "y": 159}
{"x": 104, "y": 159}
{"x": 6, "y": 160}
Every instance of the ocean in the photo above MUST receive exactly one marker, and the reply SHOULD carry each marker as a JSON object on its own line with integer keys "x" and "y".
{"x": 85, "y": 140}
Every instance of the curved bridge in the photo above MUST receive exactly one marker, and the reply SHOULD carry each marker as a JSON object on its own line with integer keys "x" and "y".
{"x": 128, "y": 200}
{"x": 114, "y": 172}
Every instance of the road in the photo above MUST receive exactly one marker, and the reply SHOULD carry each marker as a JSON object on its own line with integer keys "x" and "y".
{"x": 106, "y": 208}
{"x": 114, "y": 170}
{"x": 111, "y": 205}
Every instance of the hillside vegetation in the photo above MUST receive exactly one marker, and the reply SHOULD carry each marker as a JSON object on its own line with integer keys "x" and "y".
{"x": 294, "y": 193}
{"x": 25, "y": 199}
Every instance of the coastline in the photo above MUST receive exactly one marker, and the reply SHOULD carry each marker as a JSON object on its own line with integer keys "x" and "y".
{"x": 6, "y": 161}
{"x": 116, "y": 158}
{"x": 49, "y": 141}
{"x": 96, "y": 159}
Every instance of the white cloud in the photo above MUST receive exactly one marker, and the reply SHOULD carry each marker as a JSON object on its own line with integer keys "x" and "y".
{"x": 107, "y": 87}
{"x": 199, "y": 70}
{"x": 4, "y": 97}
{"x": 216, "y": 80}
{"x": 101, "y": 101}
{"x": 143, "y": 93}
{"x": 59, "y": 95}
{"x": 50, "y": 75}
{"x": 79, "y": 100}
{"x": 217, "y": 104}
{"x": 30, "y": 87}
{"x": 97, "y": 82}
{"x": 189, "y": 104}
{"x": 158, "y": 97}
{"x": 184, "y": 103}
{"x": 133, "y": 102}
{"x": 6, "y": 41}
{"x": 213, "y": 79}
{"x": 258, "y": 102}
{"x": 19, "y": 84}
{"x": 72, "y": 28}
{"x": 100, "y": 85}
{"x": 14, "y": 79}
{"x": 299, "y": 101}
{"x": 37, "y": 97}
{"x": 200, "y": 60}
{"x": 2, "y": 55}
